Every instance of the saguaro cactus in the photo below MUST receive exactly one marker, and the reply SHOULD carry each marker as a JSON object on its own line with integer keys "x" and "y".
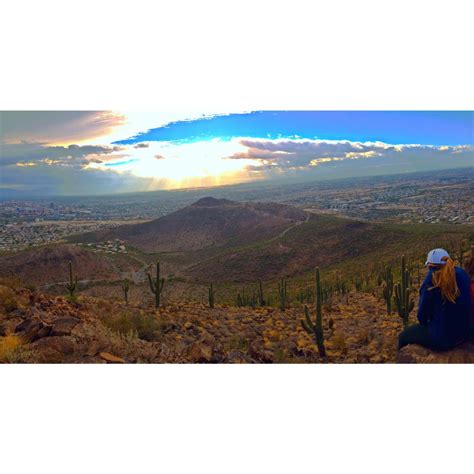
{"x": 156, "y": 286}
{"x": 403, "y": 300}
{"x": 316, "y": 328}
{"x": 125, "y": 289}
{"x": 211, "y": 296}
{"x": 239, "y": 301}
{"x": 461, "y": 254}
{"x": 261, "y": 300}
{"x": 72, "y": 285}
{"x": 282, "y": 293}
{"x": 388, "y": 288}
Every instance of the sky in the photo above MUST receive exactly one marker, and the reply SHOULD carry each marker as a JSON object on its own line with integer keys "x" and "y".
{"x": 102, "y": 152}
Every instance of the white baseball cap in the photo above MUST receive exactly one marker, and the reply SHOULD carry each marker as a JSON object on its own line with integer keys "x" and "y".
{"x": 435, "y": 257}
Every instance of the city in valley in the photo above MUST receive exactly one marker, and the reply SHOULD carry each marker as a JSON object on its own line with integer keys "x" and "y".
{"x": 429, "y": 197}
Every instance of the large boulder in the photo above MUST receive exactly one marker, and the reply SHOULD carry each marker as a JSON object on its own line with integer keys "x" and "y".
{"x": 200, "y": 352}
{"x": 31, "y": 330}
{"x": 64, "y": 326}
{"x": 415, "y": 354}
{"x": 54, "y": 349}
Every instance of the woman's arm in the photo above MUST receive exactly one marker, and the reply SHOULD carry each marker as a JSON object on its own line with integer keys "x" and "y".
{"x": 425, "y": 304}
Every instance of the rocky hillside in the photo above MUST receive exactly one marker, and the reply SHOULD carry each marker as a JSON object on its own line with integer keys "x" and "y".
{"x": 49, "y": 264}
{"x": 207, "y": 223}
{"x": 35, "y": 327}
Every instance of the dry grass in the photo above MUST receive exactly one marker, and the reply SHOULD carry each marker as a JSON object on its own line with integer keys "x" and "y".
{"x": 12, "y": 350}
{"x": 8, "y": 300}
{"x": 143, "y": 326}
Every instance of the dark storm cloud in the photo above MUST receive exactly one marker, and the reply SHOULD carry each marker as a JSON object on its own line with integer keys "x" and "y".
{"x": 52, "y": 180}
{"x": 37, "y": 152}
{"x": 56, "y": 126}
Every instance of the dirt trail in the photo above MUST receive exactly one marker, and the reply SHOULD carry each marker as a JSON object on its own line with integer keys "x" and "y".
{"x": 273, "y": 239}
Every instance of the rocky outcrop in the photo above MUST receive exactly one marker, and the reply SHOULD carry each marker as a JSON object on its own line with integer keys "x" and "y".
{"x": 415, "y": 354}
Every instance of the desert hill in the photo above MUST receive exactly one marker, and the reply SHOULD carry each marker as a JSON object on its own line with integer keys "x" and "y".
{"x": 222, "y": 240}
{"x": 207, "y": 223}
{"x": 326, "y": 241}
{"x": 49, "y": 264}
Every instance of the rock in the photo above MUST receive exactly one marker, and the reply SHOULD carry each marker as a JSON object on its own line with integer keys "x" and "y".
{"x": 53, "y": 350}
{"x": 258, "y": 354}
{"x": 415, "y": 354}
{"x": 95, "y": 347}
{"x": 237, "y": 357}
{"x": 7, "y": 326}
{"x": 110, "y": 358}
{"x": 32, "y": 330}
{"x": 45, "y": 331}
{"x": 200, "y": 352}
{"x": 64, "y": 326}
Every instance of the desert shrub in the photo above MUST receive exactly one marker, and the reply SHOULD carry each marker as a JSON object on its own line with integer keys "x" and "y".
{"x": 13, "y": 351}
{"x": 339, "y": 343}
{"x": 145, "y": 327}
{"x": 237, "y": 343}
{"x": 11, "y": 281}
{"x": 8, "y": 300}
{"x": 365, "y": 336}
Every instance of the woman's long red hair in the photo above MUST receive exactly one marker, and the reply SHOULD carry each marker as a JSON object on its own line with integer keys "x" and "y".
{"x": 444, "y": 278}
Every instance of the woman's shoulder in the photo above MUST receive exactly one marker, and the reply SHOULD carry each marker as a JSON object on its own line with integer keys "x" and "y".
{"x": 461, "y": 272}
{"x": 462, "y": 276}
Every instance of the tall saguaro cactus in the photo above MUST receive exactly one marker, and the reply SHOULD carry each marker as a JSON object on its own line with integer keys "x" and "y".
{"x": 156, "y": 286}
{"x": 403, "y": 298}
{"x": 261, "y": 299}
{"x": 72, "y": 285}
{"x": 388, "y": 288}
{"x": 316, "y": 328}
{"x": 125, "y": 289}
{"x": 211, "y": 296}
{"x": 282, "y": 293}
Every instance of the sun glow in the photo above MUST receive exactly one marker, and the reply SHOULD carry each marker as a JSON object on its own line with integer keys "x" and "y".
{"x": 176, "y": 165}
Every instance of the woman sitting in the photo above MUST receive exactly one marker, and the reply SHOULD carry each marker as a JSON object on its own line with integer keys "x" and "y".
{"x": 444, "y": 306}
{"x": 470, "y": 271}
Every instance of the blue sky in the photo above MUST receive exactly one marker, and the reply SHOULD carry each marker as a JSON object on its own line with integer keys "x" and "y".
{"x": 94, "y": 152}
{"x": 426, "y": 128}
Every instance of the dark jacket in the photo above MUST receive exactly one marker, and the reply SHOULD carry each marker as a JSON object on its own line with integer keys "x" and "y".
{"x": 448, "y": 323}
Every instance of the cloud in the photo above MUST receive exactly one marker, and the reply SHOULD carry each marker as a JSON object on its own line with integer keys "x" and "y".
{"x": 57, "y": 127}
{"x": 141, "y": 145}
{"x": 43, "y": 179}
{"x": 65, "y": 155}
{"x": 159, "y": 157}
{"x": 277, "y": 157}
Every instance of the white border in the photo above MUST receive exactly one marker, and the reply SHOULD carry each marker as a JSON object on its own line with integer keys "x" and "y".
{"x": 233, "y": 56}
